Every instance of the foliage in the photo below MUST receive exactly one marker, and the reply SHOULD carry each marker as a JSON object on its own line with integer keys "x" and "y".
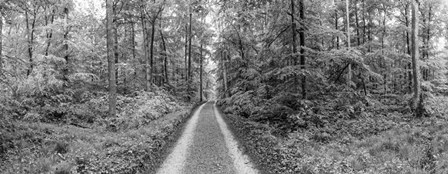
{"x": 371, "y": 144}
{"x": 96, "y": 145}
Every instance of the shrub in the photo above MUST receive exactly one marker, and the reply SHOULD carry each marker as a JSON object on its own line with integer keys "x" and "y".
{"x": 61, "y": 147}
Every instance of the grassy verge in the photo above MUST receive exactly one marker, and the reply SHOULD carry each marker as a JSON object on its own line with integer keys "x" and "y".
{"x": 371, "y": 143}
{"x": 133, "y": 144}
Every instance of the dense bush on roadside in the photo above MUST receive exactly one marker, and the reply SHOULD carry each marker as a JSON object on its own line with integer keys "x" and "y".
{"x": 71, "y": 131}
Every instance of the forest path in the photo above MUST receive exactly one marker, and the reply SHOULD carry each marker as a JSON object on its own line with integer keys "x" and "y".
{"x": 206, "y": 146}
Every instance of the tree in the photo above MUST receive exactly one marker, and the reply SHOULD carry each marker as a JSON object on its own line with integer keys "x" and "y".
{"x": 1, "y": 40}
{"x": 302, "y": 45}
{"x": 111, "y": 59}
{"x": 416, "y": 99}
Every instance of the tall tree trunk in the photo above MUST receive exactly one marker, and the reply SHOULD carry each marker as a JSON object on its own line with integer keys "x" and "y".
{"x": 293, "y": 32}
{"x": 151, "y": 49}
{"x": 408, "y": 46}
{"x": 347, "y": 13}
{"x": 200, "y": 75}
{"x": 224, "y": 60}
{"x": 186, "y": 53}
{"x": 190, "y": 36}
{"x": 358, "y": 37}
{"x": 364, "y": 21}
{"x": 65, "y": 71}
{"x": 110, "y": 57}
{"x": 336, "y": 27}
{"x": 50, "y": 34}
{"x": 415, "y": 66}
{"x": 302, "y": 45}
{"x": 30, "y": 40}
{"x": 189, "y": 48}
{"x": 134, "y": 55}
{"x": 145, "y": 46}
{"x": 116, "y": 55}
{"x": 165, "y": 57}
{"x": 1, "y": 41}
{"x": 428, "y": 40}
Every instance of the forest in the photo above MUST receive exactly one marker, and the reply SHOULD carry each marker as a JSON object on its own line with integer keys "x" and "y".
{"x": 306, "y": 86}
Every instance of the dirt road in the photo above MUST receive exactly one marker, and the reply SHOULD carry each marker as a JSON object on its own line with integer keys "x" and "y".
{"x": 206, "y": 146}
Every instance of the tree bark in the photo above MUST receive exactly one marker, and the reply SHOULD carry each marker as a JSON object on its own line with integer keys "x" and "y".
{"x": 116, "y": 55}
{"x": 151, "y": 49}
{"x": 408, "y": 47}
{"x": 165, "y": 57}
{"x": 186, "y": 53}
{"x": 415, "y": 54}
{"x": 50, "y": 34}
{"x": 189, "y": 48}
{"x": 336, "y": 27}
{"x": 302, "y": 45}
{"x": 30, "y": 40}
{"x": 110, "y": 57}
{"x": 293, "y": 32}
{"x": 145, "y": 47}
{"x": 224, "y": 60}
{"x": 65, "y": 71}
{"x": 347, "y": 13}
{"x": 1, "y": 41}
{"x": 133, "y": 48}
{"x": 358, "y": 37}
{"x": 200, "y": 75}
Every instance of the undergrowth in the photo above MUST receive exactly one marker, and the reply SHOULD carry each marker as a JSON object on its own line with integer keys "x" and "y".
{"x": 342, "y": 136}
{"x": 78, "y": 137}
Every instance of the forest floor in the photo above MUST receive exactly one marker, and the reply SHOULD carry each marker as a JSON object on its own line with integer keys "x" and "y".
{"x": 377, "y": 139}
{"x": 133, "y": 142}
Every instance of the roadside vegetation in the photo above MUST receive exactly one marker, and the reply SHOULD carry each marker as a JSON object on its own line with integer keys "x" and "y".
{"x": 84, "y": 92}
{"x": 78, "y": 137}
{"x": 336, "y": 86}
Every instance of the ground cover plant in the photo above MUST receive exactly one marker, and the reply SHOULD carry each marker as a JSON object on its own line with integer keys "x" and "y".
{"x": 129, "y": 143}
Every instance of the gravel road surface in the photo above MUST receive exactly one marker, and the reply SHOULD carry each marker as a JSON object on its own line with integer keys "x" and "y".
{"x": 206, "y": 147}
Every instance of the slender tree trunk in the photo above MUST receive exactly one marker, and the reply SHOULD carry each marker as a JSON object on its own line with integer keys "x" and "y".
{"x": 30, "y": 40}
{"x": 65, "y": 71}
{"x": 415, "y": 55}
{"x": 133, "y": 48}
{"x": 186, "y": 53}
{"x": 224, "y": 60}
{"x": 145, "y": 47}
{"x": 200, "y": 76}
{"x": 364, "y": 21}
{"x": 190, "y": 36}
{"x": 189, "y": 48}
{"x": 302, "y": 44}
{"x": 428, "y": 41}
{"x": 50, "y": 34}
{"x": 151, "y": 49}
{"x": 408, "y": 46}
{"x": 347, "y": 13}
{"x": 336, "y": 27}
{"x": 293, "y": 32}
{"x": 110, "y": 57}
{"x": 165, "y": 57}
{"x": 116, "y": 55}
{"x": 1, "y": 41}
{"x": 358, "y": 37}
